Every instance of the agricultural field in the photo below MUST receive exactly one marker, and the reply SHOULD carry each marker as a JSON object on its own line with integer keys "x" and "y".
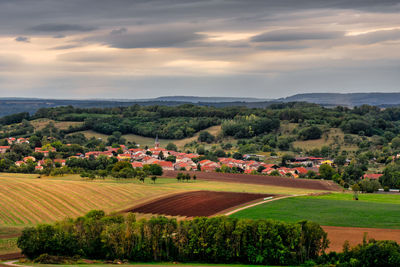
{"x": 197, "y": 203}
{"x": 263, "y": 180}
{"x": 47, "y": 199}
{"x": 374, "y": 211}
{"x": 374, "y": 215}
{"x": 50, "y": 199}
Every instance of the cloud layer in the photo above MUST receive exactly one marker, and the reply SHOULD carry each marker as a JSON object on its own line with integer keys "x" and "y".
{"x": 148, "y": 48}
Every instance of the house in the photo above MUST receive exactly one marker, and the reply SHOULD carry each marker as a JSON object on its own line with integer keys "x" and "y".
{"x": 301, "y": 170}
{"x": 124, "y": 157}
{"x": 209, "y": 166}
{"x": 372, "y": 176}
{"x": 61, "y": 161}
{"x": 165, "y": 165}
{"x": 23, "y": 140}
{"x": 149, "y": 160}
{"x": 19, "y": 163}
{"x": 11, "y": 140}
{"x": 29, "y": 158}
{"x": 98, "y": 153}
{"x": 329, "y": 162}
{"x": 3, "y": 149}
{"x": 188, "y": 166}
{"x": 137, "y": 164}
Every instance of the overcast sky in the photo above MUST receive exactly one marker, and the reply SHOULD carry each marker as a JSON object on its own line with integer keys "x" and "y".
{"x": 150, "y": 48}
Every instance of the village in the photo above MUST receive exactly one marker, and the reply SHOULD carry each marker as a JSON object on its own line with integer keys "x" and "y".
{"x": 170, "y": 160}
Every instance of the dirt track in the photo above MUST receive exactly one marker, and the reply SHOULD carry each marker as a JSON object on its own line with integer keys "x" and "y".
{"x": 262, "y": 180}
{"x": 338, "y": 235}
{"x": 197, "y": 203}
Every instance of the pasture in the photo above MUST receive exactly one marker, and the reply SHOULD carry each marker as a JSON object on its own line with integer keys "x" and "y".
{"x": 373, "y": 211}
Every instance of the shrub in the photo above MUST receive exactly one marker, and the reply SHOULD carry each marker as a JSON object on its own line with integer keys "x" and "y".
{"x": 310, "y": 133}
{"x": 386, "y": 188}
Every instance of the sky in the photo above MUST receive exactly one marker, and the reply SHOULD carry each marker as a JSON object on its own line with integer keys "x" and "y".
{"x": 129, "y": 49}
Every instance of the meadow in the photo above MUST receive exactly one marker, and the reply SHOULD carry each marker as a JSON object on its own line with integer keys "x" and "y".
{"x": 149, "y": 141}
{"x": 374, "y": 211}
{"x": 39, "y": 124}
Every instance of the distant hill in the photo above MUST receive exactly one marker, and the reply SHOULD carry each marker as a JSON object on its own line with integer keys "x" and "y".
{"x": 198, "y": 99}
{"x": 12, "y": 105}
{"x": 350, "y": 100}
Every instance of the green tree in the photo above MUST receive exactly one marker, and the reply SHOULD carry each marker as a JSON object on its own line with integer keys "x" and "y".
{"x": 172, "y": 147}
{"x": 206, "y": 137}
{"x": 326, "y": 171}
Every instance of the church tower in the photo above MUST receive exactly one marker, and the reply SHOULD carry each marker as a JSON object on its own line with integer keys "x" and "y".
{"x": 156, "y": 143}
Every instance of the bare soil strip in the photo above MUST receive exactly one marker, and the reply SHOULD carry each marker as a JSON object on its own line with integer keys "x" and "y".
{"x": 11, "y": 256}
{"x": 262, "y": 180}
{"x": 338, "y": 235}
{"x": 196, "y": 203}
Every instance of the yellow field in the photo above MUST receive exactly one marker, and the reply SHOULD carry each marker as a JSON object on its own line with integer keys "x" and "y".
{"x": 26, "y": 201}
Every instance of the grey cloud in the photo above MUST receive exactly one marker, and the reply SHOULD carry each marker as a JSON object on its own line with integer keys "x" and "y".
{"x": 294, "y": 35}
{"x": 60, "y": 27}
{"x": 59, "y": 36}
{"x": 148, "y": 39}
{"x": 282, "y": 47}
{"x": 65, "y": 47}
{"x": 118, "y": 31}
{"x": 22, "y": 39}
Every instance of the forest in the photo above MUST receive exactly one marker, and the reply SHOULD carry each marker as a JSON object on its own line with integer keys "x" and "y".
{"x": 241, "y": 122}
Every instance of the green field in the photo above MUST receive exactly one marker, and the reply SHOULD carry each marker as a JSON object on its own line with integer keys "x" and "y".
{"x": 374, "y": 211}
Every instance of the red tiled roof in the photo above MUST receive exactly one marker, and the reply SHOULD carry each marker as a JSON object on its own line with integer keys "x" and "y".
{"x": 137, "y": 164}
{"x": 374, "y": 176}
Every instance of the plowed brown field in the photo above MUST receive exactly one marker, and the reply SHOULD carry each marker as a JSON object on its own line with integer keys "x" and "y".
{"x": 197, "y": 203}
{"x": 262, "y": 180}
{"x": 338, "y": 235}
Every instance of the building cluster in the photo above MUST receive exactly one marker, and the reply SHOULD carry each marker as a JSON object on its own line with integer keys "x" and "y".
{"x": 172, "y": 160}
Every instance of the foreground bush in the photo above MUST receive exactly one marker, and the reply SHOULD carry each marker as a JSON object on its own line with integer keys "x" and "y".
{"x": 215, "y": 240}
{"x": 373, "y": 253}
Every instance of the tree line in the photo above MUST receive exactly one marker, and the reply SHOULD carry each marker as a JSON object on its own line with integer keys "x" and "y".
{"x": 207, "y": 240}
